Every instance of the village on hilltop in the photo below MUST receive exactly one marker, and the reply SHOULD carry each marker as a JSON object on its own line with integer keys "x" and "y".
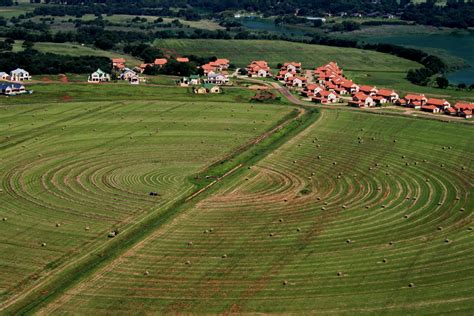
{"x": 324, "y": 85}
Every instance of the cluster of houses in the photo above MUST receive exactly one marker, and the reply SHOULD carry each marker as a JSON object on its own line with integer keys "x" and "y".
{"x": 215, "y": 75}
{"x": 259, "y": 68}
{"x": 332, "y": 87}
{"x": 290, "y": 75}
{"x": 12, "y": 82}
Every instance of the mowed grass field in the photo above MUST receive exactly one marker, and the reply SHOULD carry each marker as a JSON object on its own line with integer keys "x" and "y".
{"x": 80, "y": 160}
{"x": 242, "y": 52}
{"x": 358, "y": 214}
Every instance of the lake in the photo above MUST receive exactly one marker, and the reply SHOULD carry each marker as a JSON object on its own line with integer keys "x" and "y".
{"x": 459, "y": 45}
{"x": 268, "y": 25}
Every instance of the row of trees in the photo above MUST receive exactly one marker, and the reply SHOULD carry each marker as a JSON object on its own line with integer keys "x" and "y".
{"x": 49, "y": 63}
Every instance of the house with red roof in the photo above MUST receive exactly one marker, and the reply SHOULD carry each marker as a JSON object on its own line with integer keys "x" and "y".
{"x": 160, "y": 62}
{"x": 441, "y": 104}
{"x": 325, "y": 97}
{"x": 450, "y": 111}
{"x": 310, "y": 89}
{"x": 390, "y": 95}
{"x": 298, "y": 82}
{"x": 369, "y": 90}
{"x": 415, "y": 101}
{"x": 258, "y": 68}
{"x": 464, "y": 109}
{"x": 182, "y": 60}
{"x": 349, "y": 86}
{"x": 430, "y": 108}
{"x": 362, "y": 100}
{"x": 292, "y": 66}
{"x": 118, "y": 63}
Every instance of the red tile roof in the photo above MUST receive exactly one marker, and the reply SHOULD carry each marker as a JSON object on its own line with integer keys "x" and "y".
{"x": 437, "y": 102}
{"x": 386, "y": 92}
{"x": 160, "y": 61}
{"x": 118, "y": 60}
{"x": 182, "y": 59}
{"x": 416, "y": 97}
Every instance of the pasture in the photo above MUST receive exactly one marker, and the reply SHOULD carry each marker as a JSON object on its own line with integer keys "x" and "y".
{"x": 78, "y": 161}
{"x": 358, "y": 214}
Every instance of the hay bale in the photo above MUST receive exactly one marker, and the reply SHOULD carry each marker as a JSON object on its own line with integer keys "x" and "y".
{"x": 190, "y": 243}
{"x": 206, "y": 231}
{"x": 58, "y": 224}
{"x": 339, "y": 274}
{"x": 319, "y": 157}
{"x": 348, "y": 241}
{"x": 334, "y": 163}
{"x": 462, "y": 209}
{"x": 298, "y": 229}
{"x": 344, "y": 207}
{"x": 87, "y": 228}
{"x": 447, "y": 241}
{"x": 403, "y": 156}
{"x": 367, "y": 207}
{"x": 224, "y": 256}
{"x": 187, "y": 262}
{"x": 384, "y": 260}
{"x": 323, "y": 208}
{"x": 411, "y": 285}
{"x": 4, "y": 219}
{"x": 318, "y": 198}
{"x": 406, "y": 216}
{"x": 439, "y": 203}
{"x": 281, "y": 220}
{"x": 43, "y": 244}
{"x": 271, "y": 234}
{"x": 294, "y": 161}
{"x": 146, "y": 273}
{"x": 391, "y": 243}
{"x": 285, "y": 200}
{"x": 458, "y": 198}
{"x": 338, "y": 177}
{"x": 285, "y": 282}
{"x": 440, "y": 228}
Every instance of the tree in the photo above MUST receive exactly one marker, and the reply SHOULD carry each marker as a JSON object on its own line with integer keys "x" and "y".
{"x": 442, "y": 82}
{"x": 27, "y": 45}
{"x": 462, "y": 86}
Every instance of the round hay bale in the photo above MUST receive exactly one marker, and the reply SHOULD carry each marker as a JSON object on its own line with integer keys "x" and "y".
{"x": 394, "y": 140}
{"x": 383, "y": 206}
{"x": 440, "y": 228}
{"x": 206, "y": 231}
{"x": 407, "y": 164}
{"x": 271, "y": 234}
{"x": 463, "y": 168}
{"x": 458, "y": 198}
{"x": 348, "y": 241}
{"x": 334, "y": 163}
{"x": 318, "y": 145}
{"x": 298, "y": 229}
{"x": 411, "y": 285}
{"x": 344, "y": 207}
{"x": 323, "y": 208}
{"x": 406, "y": 216}
{"x": 373, "y": 138}
{"x": 367, "y": 207}
{"x": 319, "y": 157}
{"x": 449, "y": 147}
{"x": 338, "y": 177}
{"x": 224, "y": 256}
{"x": 87, "y": 228}
{"x": 462, "y": 209}
{"x": 439, "y": 203}
{"x": 469, "y": 228}
{"x": 190, "y": 243}
{"x": 58, "y": 225}
{"x": 403, "y": 157}
{"x": 370, "y": 168}
{"x": 285, "y": 200}
{"x": 384, "y": 260}
{"x": 285, "y": 282}
{"x": 187, "y": 262}
{"x": 147, "y": 273}
{"x": 414, "y": 198}
{"x": 318, "y": 198}
{"x": 447, "y": 241}
{"x": 4, "y": 219}
{"x": 43, "y": 244}
{"x": 294, "y": 161}
{"x": 281, "y": 220}
{"x": 442, "y": 165}
{"x": 339, "y": 274}
{"x": 312, "y": 173}
{"x": 379, "y": 189}
{"x": 211, "y": 230}
{"x": 391, "y": 243}
{"x": 326, "y": 203}
{"x": 424, "y": 160}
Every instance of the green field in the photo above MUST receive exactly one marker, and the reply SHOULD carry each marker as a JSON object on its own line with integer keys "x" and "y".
{"x": 74, "y": 49}
{"x": 76, "y": 163}
{"x": 344, "y": 234}
{"x": 242, "y": 52}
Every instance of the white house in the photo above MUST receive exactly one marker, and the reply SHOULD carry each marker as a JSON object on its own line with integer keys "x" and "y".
{"x": 98, "y": 76}
{"x": 19, "y": 75}
{"x": 134, "y": 80}
{"x": 127, "y": 73}
{"x": 4, "y": 76}
{"x": 362, "y": 100}
{"x": 217, "y": 78}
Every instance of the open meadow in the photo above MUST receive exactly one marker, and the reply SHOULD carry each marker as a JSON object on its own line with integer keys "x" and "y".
{"x": 79, "y": 161}
{"x": 358, "y": 214}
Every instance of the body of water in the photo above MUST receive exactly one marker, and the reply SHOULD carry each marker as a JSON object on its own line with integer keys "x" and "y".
{"x": 268, "y": 25}
{"x": 459, "y": 45}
